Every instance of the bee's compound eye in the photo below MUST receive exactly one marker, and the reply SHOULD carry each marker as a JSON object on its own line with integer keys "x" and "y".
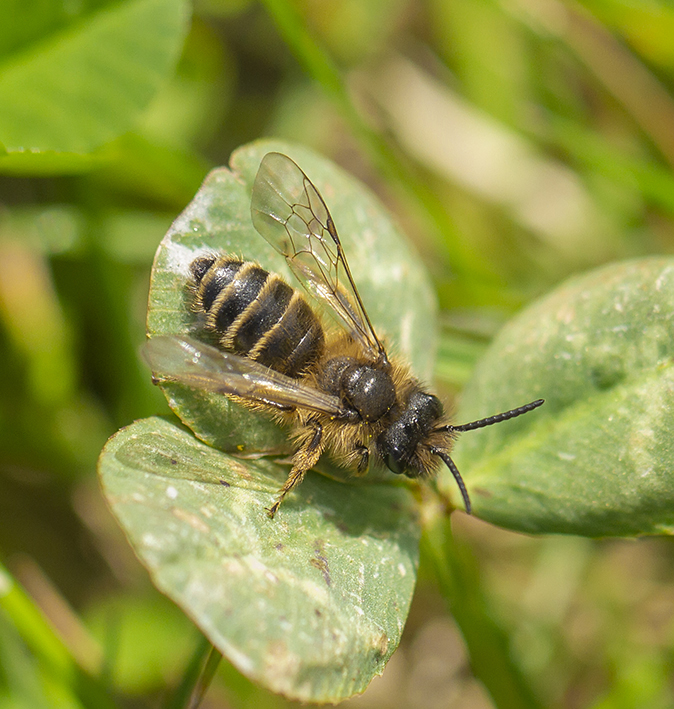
{"x": 392, "y": 444}
{"x": 394, "y": 464}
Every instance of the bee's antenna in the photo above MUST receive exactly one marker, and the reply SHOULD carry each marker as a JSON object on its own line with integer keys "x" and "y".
{"x": 481, "y": 423}
{"x": 457, "y": 476}
{"x": 497, "y": 418}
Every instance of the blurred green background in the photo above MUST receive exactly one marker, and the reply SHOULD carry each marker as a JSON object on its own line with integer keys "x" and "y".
{"x": 516, "y": 141}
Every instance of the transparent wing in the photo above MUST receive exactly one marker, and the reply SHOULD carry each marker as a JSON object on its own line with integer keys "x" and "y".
{"x": 289, "y": 212}
{"x": 201, "y": 366}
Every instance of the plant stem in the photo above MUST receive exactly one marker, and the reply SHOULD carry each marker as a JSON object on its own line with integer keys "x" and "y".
{"x": 486, "y": 640}
{"x": 197, "y": 676}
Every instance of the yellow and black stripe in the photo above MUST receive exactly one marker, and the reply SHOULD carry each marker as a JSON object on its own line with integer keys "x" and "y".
{"x": 256, "y": 314}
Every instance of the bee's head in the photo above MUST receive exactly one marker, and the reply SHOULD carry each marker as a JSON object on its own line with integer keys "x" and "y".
{"x": 398, "y": 443}
{"x": 417, "y": 425}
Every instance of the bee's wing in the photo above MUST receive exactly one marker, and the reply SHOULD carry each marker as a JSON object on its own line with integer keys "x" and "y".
{"x": 289, "y": 212}
{"x": 201, "y": 366}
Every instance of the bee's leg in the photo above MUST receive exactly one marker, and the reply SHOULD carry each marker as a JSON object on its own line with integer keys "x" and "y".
{"x": 304, "y": 459}
{"x": 363, "y": 460}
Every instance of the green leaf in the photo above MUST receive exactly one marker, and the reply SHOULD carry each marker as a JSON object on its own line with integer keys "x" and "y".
{"x": 597, "y": 458}
{"x": 310, "y": 604}
{"x": 391, "y": 280}
{"x": 70, "y": 84}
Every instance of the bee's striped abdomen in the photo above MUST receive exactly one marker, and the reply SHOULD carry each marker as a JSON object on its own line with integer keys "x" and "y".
{"x": 256, "y": 314}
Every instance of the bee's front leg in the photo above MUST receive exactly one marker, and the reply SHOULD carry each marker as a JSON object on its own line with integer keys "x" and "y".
{"x": 305, "y": 458}
{"x": 363, "y": 460}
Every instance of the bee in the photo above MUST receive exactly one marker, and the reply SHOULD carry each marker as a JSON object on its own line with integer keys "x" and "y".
{"x": 339, "y": 392}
